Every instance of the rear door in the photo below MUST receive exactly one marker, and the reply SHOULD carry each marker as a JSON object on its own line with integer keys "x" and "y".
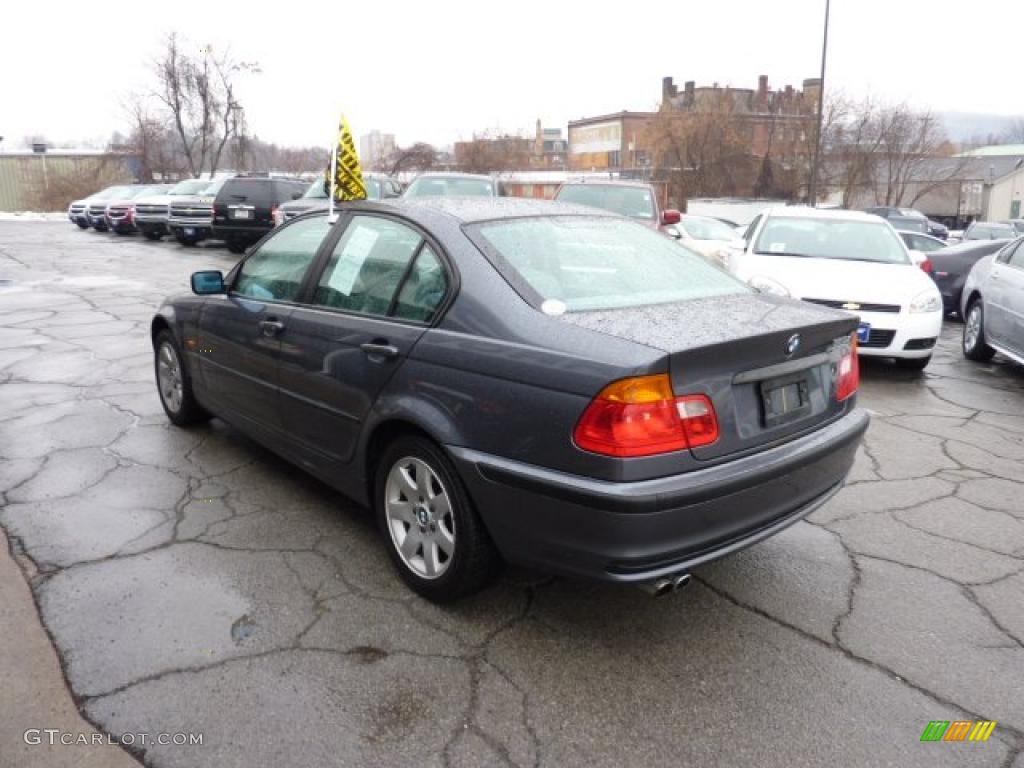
{"x": 239, "y": 333}
{"x": 379, "y": 286}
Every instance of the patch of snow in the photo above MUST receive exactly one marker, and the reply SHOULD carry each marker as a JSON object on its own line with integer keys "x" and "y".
{"x": 32, "y": 216}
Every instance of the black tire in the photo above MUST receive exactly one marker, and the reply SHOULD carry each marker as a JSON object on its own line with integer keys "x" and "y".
{"x": 82, "y": 224}
{"x": 100, "y": 227}
{"x": 473, "y": 562}
{"x": 186, "y": 241}
{"x": 149, "y": 234}
{"x": 184, "y": 410}
{"x": 236, "y": 246}
{"x": 973, "y": 342}
{"x": 913, "y": 363}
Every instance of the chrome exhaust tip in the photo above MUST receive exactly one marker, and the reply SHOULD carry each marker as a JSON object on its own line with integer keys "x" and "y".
{"x": 682, "y": 580}
{"x": 658, "y": 587}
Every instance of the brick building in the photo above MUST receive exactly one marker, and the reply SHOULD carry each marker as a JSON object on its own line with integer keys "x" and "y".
{"x": 549, "y": 149}
{"x": 775, "y": 121}
{"x": 615, "y": 142}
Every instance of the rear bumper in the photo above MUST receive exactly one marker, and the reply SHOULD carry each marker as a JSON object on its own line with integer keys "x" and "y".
{"x": 247, "y": 233}
{"x": 629, "y": 532}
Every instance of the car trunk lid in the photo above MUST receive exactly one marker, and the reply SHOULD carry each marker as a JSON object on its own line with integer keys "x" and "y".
{"x": 766, "y": 363}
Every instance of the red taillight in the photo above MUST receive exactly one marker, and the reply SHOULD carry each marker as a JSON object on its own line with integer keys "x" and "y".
{"x": 848, "y": 373}
{"x": 641, "y": 416}
{"x": 927, "y": 265}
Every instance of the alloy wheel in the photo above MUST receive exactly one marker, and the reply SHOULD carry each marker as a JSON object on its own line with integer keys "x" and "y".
{"x": 419, "y": 517}
{"x": 168, "y": 371}
{"x": 972, "y": 331}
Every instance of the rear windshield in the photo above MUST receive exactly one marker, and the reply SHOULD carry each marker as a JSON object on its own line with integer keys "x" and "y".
{"x": 595, "y": 263}
{"x": 253, "y": 191}
{"x": 448, "y": 187}
{"x": 909, "y": 224}
{"x": 831, "y": 239}
{"x": 634, "y": 202}
{"x": 991, "y": 232}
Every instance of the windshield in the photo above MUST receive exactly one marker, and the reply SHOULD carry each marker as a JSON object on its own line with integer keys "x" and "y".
{"x": 634, "y": 202}
{"x": 909, "y": 224}
{"x": 990, "y": 232}
{"x": 440, "y": 186}
{"x": 189, "y": 187}
{"x": 315, "y": 191}
{"x": 212, "y": 188}
{"x": 831, "y": 239}
{"x": 600, "y": 263}
{"x": 707, "y": 229}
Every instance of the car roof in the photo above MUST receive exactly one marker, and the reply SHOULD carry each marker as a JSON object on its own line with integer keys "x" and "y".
{"x": 831, "y": 214}
{"x": 470, "y": 210}
{"x": 453, "y": 175}
{"x": 606, "y": 183}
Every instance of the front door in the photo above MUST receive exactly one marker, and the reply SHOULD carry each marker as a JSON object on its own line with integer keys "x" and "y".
{"x": 378, "y": 290}
{"x": 1013, "y": 301}
{"x": 998, "y": 313}
{"x": 239, "y": 334}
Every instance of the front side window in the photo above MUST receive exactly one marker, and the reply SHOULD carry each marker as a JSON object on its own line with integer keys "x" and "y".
{"x": 1017, "y": 256}
{"x": 596, "y": 263}
{"x": 276, "y": 270}
{"x": 842, "y": 239}
{"x": 367, "y": 266}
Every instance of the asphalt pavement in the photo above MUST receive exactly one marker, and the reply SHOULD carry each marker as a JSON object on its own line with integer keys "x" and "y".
{"x": 192, "y": 583}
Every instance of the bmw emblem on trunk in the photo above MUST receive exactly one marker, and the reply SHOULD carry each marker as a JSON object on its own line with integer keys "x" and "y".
{"x": 792, "y": 344}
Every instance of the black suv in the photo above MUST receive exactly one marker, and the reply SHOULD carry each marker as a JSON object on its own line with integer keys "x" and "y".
{"x": 244, "y": 209}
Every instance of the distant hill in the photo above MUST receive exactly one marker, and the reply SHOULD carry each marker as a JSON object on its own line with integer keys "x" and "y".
{"x": 967, "y": 126}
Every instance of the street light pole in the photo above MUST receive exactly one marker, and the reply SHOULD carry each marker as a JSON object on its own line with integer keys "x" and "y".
{"x": 812, "y": 193}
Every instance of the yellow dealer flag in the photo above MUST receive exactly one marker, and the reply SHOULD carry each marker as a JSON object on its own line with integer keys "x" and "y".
{"x": 346, "y": 175}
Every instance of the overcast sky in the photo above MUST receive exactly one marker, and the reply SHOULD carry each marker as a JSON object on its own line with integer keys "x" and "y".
{"x": 438, "y": 71}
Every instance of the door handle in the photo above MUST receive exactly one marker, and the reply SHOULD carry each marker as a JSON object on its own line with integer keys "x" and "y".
{"x": 379, "y": 349}
{"x": 271, "y": 327}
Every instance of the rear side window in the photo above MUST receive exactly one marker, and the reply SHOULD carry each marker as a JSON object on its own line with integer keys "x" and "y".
{"x": 276, "y": 270}
{"x": 367, "y": 266}
{"x": 595, "y": 263}
{"x": 424, "y": 288}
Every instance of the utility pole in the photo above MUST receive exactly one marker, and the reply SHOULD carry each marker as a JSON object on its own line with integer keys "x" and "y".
{"x": 812, "y": 193}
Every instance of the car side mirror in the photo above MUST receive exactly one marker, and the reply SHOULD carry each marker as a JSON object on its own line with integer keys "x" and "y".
{"x": 671, "y": 216}
{"x": 296, "y": 195}
{"x": 207, "y": 282}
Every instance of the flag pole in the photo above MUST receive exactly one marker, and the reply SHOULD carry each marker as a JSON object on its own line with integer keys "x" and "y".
{"x": 334, "y": 176}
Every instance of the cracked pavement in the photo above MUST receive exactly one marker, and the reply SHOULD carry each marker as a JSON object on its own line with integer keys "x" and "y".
{"x": 194, "y": 582}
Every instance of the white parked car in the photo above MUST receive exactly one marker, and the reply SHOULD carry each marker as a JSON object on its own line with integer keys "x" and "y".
{"x": 847, "y": 260}
{"x": 992, "y": 305}
{"x": 711, "y": 238}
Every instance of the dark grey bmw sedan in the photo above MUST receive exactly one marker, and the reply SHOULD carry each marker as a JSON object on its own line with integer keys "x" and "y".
{"x": 524, "y": 381}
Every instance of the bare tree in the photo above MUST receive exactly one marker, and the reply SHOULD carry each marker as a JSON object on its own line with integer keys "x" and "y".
{"x": 702, "y": 152}
{"x": 491, "y": 152}
{"x": 198, "y": 92}
{"x": 417, "y": 157}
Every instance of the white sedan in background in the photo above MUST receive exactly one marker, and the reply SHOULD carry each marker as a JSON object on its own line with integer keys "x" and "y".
{"x": 709, "y": 237}
{"x": 847, "y": 260}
